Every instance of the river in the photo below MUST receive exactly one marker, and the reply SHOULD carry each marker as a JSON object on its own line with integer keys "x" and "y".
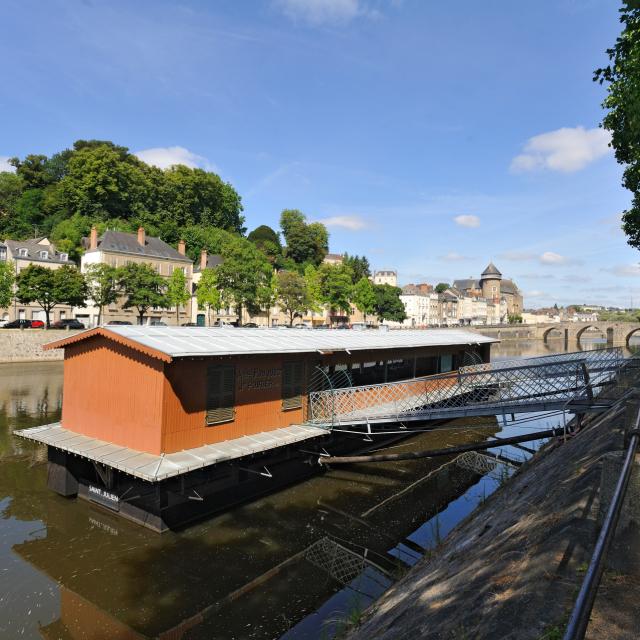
{"x": 296, "y": 564}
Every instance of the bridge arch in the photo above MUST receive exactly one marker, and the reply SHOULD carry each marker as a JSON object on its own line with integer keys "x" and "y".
{"x": 547, "y": 331}
{"x": 630, "y": 335}
{"x": 607, "y": 332}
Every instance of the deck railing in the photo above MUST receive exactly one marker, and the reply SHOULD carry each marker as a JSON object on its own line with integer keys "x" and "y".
{"x": 557, "y": 378}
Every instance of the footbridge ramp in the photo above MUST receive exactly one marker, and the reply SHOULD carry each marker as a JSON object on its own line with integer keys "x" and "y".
{"x": 568, "y": 381}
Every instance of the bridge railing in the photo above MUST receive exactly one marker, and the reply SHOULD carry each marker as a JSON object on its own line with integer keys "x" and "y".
{"x": 512, "y": 383}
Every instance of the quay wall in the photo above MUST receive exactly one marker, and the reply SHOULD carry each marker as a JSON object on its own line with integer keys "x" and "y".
{"x": 507, "y": 332}
{"x": 25, "y": 345}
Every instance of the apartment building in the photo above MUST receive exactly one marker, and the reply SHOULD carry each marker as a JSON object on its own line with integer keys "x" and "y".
{"x": 38, "y": 251}
{"x": 117, "y": 248}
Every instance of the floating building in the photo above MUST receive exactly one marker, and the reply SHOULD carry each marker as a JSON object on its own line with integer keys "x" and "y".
{"x": 167, "y": 424}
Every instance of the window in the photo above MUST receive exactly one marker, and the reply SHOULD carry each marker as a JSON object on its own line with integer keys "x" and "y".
{"x": 23, "y": 253}
{"x": 220, "y": 399}
{"x": 3, "y": 253}
{"x": 292, "y": 385}
{"x": 64, "y": 257}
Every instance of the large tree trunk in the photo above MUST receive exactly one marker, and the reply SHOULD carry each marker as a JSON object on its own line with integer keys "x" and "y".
{"x": 99, "y": 315}
{"x": 47, "y": 311}
{"x": 141, "y": 316}
{"x": 177, "y": 315}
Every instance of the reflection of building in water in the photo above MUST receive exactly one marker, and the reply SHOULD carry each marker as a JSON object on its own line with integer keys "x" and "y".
{"x": 258, "y": 570}
{"x": 35, "y": 390}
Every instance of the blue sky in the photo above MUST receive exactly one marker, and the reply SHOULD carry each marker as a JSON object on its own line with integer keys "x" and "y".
{"x": 430, "y": 136}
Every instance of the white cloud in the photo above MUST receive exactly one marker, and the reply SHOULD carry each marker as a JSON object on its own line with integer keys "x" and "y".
{"x": 625, "y": 270}
{"x": 549, "y": 257}
{"x": 322, "y": 12}
{"x": 353, "y": 223}
{"x": 566, "y": 150}
{"x": 535, "y": 293}
{"x": 4, "y": 164}
{"x": 452, "y": 256}
{"x": 165, "y": 157}
{"x": 467, "y": 221}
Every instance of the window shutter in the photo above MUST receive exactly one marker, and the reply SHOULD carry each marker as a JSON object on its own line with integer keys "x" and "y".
{"x": 292, "y": 385}
{"x": 220, "y": 394}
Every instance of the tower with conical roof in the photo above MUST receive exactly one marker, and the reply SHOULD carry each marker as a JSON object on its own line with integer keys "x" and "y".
{"x": 490, "y": 283}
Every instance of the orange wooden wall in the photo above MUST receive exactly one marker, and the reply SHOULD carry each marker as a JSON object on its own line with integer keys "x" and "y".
{"x": 113, "y": 393}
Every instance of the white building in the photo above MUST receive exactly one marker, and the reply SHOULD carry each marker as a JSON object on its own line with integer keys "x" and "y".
{"x": 422, "y": 310}
{"x": 386, "y": 277}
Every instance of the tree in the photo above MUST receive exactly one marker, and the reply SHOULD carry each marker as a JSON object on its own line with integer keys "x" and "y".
{"x": 306, "y": 243}
{"x": 268, "y": 241}
{"x": 622, "y": 76}
{"x": 33, "y": 170}
{"x": 102, "y": 285}
{"x": 441, "y": 287}
{"x": 11, "y": 187}
{"x": 388, "y": 303}
{"x": 143, "y": 287}
{"x": 292, "y": 293}
{"x": 207, "y": 292}
{"x": 359, "y": 266}
{"x": 51, "y": 287}
{"x": 243, "y": 272}
{"x": 336, "y": 286}
{"x": 7, "y": 280}
{"x": 364, "y": 297}
{"x": 177, "y": 293}
{"x": 314, "y": 288}
{"x": 268, "y": 294}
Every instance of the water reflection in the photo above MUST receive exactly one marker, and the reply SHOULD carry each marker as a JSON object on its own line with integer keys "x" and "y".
{"x": 291, "y": 563}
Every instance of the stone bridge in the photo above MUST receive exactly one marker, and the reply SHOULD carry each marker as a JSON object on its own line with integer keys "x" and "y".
{"x": 615, "y": 332}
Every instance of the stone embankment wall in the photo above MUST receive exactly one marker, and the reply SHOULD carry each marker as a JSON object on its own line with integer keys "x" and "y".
{"x": 18, "y": 345}
{"x": 512, "y": 332}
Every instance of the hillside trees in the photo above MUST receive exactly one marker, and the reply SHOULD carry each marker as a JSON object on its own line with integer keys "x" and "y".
{"x": 51, "y": 287}
{"x": 307, "y": 243}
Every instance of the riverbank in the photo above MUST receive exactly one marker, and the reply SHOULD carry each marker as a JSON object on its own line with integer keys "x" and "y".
{"x": 512, "y": 569}
{"x": 25, "y": 345}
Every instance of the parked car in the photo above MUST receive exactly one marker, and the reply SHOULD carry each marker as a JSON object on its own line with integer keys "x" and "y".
{"x": 18, "y": 324}
{"x": 250, "y": 325}
{"x": 189, "y": 324}
{"x": 157, "y": 323}
{"x": 118, "y": 322}
{"x": 37, "y": 324}
{"x": 68, "y": 323}
{"x": 2, "y": 323}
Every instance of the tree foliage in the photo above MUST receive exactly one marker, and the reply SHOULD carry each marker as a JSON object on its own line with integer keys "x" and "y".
{"x": 359, "y": 265}
{"x": 143, "y": 287}
{"x": 268, "y": 241}
{"x": 441, "y": 287}
{"x": 336, "y": 286}
{"x": 102, "y": 285}
{"x": 51, "y": 287}
{"x": 207, "y": 292}
{"x": 292, "y": 293}
{"x": 622, "y": 77}
{"x": 388, "y": 303}
{"x": 100, "y": 182}
{"x": 364, "y": 297}
{"x": 7, "y": 280}
{"x": 177, "y": 293}
{"x": 307, "y": 243}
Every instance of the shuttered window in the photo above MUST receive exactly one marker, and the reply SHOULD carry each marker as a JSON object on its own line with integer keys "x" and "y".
{"x": 220, "y": 394}
{"x": 292, "y": 385}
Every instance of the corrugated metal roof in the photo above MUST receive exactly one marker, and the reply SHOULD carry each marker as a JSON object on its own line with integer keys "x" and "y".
{"x": 178, "y": 342}
{"x": 154, "y": 467}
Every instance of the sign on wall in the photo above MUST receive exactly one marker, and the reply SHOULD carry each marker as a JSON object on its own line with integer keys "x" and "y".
{"x": 257, "y": 379}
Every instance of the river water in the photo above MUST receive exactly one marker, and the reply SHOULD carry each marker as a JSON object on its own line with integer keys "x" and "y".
{"x": 297, "y": 564}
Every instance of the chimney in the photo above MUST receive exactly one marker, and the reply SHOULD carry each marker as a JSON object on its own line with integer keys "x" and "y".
{"x": 93, "y": 241}
{"x": 141, "y": 236}
{"x": 181, "y": 247}
{"x": 203, "y": 259}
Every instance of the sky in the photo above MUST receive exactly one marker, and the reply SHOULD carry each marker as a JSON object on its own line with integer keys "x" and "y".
{"x": 433, "y": 137}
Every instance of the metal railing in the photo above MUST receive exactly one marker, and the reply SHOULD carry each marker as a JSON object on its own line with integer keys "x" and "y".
{"x": 502, "y": 386}
{"x": 579, "y": 620}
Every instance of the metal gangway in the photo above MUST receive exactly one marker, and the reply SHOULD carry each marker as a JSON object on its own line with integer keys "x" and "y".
{"x": 572, "y": 382}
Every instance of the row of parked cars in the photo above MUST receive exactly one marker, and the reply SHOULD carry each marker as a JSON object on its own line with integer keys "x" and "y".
{"x": 69, "y": 323}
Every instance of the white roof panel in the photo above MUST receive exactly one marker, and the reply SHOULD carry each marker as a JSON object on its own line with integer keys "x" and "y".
{"x": 179, "y": 342}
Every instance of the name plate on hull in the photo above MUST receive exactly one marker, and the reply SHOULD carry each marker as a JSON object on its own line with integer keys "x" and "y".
{"x": 103, "y": 497}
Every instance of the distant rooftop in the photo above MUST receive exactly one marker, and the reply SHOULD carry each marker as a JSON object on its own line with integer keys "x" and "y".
{"x": 121, "y": 242}
{"x": 35, "y": 250}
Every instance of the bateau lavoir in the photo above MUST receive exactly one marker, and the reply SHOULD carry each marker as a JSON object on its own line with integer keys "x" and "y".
{"x": 165, "y": 425}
